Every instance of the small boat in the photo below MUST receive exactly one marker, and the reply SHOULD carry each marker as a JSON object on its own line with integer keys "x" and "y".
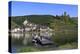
{"x": 41, "y": 40}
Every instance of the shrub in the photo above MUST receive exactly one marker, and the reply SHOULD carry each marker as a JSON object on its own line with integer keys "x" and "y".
{"x": 65, "y": 37}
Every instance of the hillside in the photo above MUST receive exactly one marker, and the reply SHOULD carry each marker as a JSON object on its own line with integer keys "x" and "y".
{"x": 38, "y": 19}
{"x": 14, "y": 25}
{"x": 42, "y": 19}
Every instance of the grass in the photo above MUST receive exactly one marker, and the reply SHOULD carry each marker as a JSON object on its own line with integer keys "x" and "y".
{"x": 34, "y": 49}
{"x": 72, "y": 45}
{"x": 28, "y": 49}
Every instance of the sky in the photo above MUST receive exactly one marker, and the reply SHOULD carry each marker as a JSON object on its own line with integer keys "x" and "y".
{"x": 33, "y": 8}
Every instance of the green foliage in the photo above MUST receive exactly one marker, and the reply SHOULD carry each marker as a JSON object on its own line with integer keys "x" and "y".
{"x": 14, "y": 25}
{"x": 37, "y": 19}
{"x": 40, "y": 19}
{"x": 18, "y": 19}
{"x": 28, "y": 49}
{"x": 65, "y": 35}
{"x": 72, "y": 45}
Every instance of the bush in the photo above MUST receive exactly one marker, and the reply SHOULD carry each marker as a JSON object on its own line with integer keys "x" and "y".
{"x": 72, "y": 45}
{"x": 65, "y": 37}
